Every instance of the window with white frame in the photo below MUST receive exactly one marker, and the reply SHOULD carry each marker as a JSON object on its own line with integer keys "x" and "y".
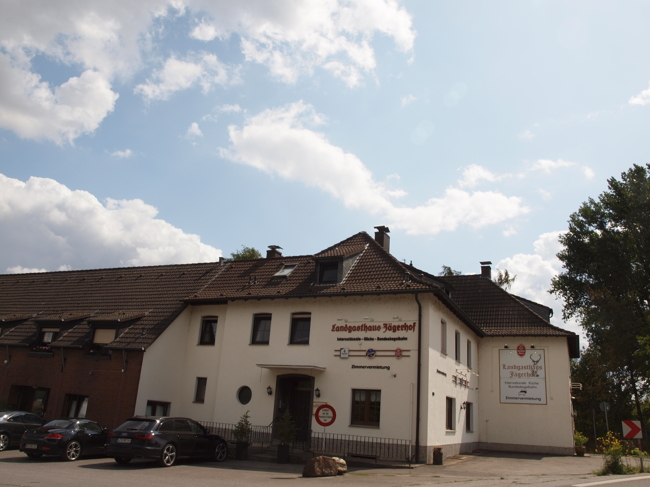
{"x": 450, "y": 416}
{"x": 443, "y": 336}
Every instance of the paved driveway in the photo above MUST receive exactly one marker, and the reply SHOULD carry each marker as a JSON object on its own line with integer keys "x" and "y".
{"x": 474, "y": 470}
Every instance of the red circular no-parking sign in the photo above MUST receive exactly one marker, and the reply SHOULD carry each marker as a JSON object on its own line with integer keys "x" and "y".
{"x": 325, "y": 415}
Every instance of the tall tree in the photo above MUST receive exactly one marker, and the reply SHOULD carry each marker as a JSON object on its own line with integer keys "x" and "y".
{"x": 605, "y": 282}
{"x": 504, "y": 279}
{"x": 448, "y": 272}
{"x": 245, "y": 253}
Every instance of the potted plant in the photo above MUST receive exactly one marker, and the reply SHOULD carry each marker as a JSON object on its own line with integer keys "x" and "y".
{"x": 580, "y": 440}
{"x": 242, "y": 433}
{"x": 287, "y": 431}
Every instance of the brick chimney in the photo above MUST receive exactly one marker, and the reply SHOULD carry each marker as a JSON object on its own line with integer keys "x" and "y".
{"x": 486, "y": 270}
{"x": 273, "y": 252}
{"x": 382, "y": 238}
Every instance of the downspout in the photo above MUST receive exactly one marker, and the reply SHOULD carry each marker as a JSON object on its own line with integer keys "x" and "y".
{"x": 417, "y": 388}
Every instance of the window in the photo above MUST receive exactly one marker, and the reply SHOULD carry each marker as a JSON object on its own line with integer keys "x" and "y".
{"x": 208, "y": 331}
{"x": 244, "y": 395}
{"x": 300, "y": 324}
{"x": 457, "y": 346}
{"x": 469, "y": 423}
{"x": 76, "y": 405}
{"x": 328, "y": 272}
{"x": 199, "y": 393}
{"x": 443, "y": 337}
{"x": 450, "y": 417}
{"x": 102, "y": 336}
{"x": 261, "y": 329}
{"x": 48, "y": 335}
{"x": 286, "y": 270}
{"x": 469, "y": 354}
{"x": 157, "y": 408}
{"x": 366, "y": 407}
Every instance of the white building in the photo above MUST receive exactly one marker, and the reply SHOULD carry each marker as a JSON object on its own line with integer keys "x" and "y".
{"x": 453, "y": 362}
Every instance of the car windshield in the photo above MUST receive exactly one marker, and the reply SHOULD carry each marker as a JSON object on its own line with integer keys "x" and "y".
{"x": 59, "y": 424}
{"x": 136, "y": 425}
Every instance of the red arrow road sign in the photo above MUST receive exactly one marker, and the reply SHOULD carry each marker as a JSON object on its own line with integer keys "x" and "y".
{"x": 632, "y": 429}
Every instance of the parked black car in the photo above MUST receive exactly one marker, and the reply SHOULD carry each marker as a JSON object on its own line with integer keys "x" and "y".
{"x": 164, "y": 439}
{"x": 67, "y": 438}
{"x": 13, "y": 424}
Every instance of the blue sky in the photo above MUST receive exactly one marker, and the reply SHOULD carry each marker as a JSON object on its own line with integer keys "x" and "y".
{"x": 160, "y": 131}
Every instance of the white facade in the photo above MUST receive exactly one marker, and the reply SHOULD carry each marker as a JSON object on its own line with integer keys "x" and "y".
{"x": 173, "y": 363}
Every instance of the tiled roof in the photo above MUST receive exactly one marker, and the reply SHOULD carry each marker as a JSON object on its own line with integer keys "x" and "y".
{"x": 139, "y": 301}
{"x": 497, "y": 312}
{"x": 142, "y": 301}
{"x": 375, "y": 271}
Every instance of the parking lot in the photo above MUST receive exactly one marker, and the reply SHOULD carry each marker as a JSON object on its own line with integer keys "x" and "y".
{"x": 485, "y": 469}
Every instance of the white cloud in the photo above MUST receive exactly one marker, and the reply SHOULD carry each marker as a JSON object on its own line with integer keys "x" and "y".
{"x": 281, "y": 142}
{"x": 33, "y": 109}
{"x": 641, "y": 99}
{"x": 407, "y": 100}
{"x": 527, "y": 134}
{"x": 230, "y": 108}
{"x": 107, "y": 39}
{"x": 122, "y": 154}
{"x": 193, "y": 131}
{"x": 509, "y": 231}
{"x": 534, "y": 273}
{"x": 588, "y": 172}
{"x": 202, "y": 69}
{"x": 474, "y": 174}
{"x": 46, "y": 226}
{"x": 546, "y": 165}
{"x": 23, "y": 270}
{"x": 546, "y": 195}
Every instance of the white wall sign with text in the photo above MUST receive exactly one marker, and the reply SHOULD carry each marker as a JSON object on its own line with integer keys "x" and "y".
{"x": 522, "y": 375}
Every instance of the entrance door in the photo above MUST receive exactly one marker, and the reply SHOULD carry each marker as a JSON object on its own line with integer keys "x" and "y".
{"x": 295, "y": 394}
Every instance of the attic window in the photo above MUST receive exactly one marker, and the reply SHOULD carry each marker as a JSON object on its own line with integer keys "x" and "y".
{"x": 103, "y": 336}
{"x": 286, "y": 270}
{"x": 328, "y": 272}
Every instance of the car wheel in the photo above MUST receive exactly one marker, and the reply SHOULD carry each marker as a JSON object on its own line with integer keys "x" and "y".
{"x": 33, "y": 455}
{"x": 168, "y": 456}
{"x": 221, "y": 451}
{"x": 123, "y": 460}
{"x": 4, "y": 441}
{"x": 72, "y": 451}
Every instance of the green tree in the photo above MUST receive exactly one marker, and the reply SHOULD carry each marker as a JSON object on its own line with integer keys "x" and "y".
{"x": 448, "y": 271}
{"x": 504, "y": 279}
{"x": 605, "y": 282}
{"x": 246, "y": 253}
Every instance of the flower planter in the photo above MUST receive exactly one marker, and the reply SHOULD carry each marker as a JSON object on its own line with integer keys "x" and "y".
{"x": 580, "y": 450}
{"x": 283, "y": 454}
{"x": 241, "y": 450}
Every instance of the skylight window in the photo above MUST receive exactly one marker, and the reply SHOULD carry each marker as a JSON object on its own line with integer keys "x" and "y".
{"x": 286, "y": 270}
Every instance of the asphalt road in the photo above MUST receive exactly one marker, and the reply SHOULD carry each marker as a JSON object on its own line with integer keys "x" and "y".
{"x": 475, "y": 470}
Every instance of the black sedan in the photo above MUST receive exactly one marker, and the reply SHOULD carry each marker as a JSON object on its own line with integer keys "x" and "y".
{"x": 165, "y": 440}
{"x": 13, "y": 424}
{"x": 67, "y": 438}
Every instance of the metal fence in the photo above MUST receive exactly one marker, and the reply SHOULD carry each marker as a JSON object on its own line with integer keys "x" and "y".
{"x": 362, "y": 446}
{"x": 260, "y": 435}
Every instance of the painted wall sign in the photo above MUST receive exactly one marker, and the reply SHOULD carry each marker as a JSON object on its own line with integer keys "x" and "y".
{"x": 325, "y": 415}
{"x": 398, "y": 352}
{"x": 344, "y": 352}
{"x": 522, "y": 379}
{"x": 371, "y": 353}
{"x": 521, "y": 350}
{"x": 372, "y": 328}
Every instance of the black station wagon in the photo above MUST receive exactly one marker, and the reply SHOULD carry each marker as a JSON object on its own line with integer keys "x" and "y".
{"x": 165, "y": 440}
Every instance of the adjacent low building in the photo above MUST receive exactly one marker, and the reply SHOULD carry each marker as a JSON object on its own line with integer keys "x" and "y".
{"x": 392, "y": 352}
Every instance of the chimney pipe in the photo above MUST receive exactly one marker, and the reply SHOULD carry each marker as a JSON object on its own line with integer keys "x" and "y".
{"x": 382, "y": 238}
{"x": 486, "y": 270}
{"x": 273, "y": 252}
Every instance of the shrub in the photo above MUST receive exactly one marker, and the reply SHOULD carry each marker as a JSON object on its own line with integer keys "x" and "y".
{"x": 243, "y": 429}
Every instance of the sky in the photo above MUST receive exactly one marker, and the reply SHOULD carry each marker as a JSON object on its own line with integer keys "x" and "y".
{"x": 174, "y": 131}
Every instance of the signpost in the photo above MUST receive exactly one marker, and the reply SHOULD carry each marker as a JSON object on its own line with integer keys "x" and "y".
{"x": 325, "y": 415}
{"x": 604, "y": 407}
{"x": 632, "y": 431}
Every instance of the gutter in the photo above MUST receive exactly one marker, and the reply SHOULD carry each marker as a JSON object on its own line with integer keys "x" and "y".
{"x": 418, "y": 387}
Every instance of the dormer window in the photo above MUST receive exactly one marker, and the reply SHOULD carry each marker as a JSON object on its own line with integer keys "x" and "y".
{"x": 48, "y": 335}
{"x": 286, "y": 270}
{"x": 328, "y": 272}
